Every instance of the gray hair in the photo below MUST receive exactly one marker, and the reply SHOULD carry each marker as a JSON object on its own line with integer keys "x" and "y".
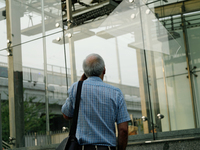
{"x": 93, "y": 65}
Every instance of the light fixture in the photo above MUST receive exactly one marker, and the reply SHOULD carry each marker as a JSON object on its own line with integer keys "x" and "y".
{"x": 58, "y": 39}
{"x": 69, "y": 35}
{"x": 8, "y": 41}
{"x": 65, "y": 129}
{"x": 148, "y": 11}
{"x": 133, "y": 16}
{"x": 144, "y": 118}
{"x": 160, "y": 116}
{"x": 57, "y": 25}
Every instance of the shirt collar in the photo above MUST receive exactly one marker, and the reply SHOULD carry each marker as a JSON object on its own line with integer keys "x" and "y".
{"x": 94, "y": 78}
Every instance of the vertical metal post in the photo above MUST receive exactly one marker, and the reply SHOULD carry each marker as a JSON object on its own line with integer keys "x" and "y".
{"x": 146, "y": 69}
{"x": 187, "y": 60}
{"x": 169, "y": 122}
{"x": 152, "y": 71}
{"x": 0, "y": 126}
{"x": 71, "y": 43}
{"x": 45, "y": 73}
{"x": 118, "y": 61}
{"x": 15, "y": 76}
{"x": 66, "y": 72}
{"x": 143, "y": 90}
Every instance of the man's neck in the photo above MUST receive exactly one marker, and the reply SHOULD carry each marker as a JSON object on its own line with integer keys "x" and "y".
{"x": 101, "y": 76}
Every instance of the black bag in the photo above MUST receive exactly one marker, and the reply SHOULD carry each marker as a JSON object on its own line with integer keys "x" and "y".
{"x": 70, "y": 142}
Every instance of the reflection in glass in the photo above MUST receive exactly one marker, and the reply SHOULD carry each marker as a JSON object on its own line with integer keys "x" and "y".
{"x": 27, "y": 16}
{"x": 193, "y": 39}
{"x": 3, "y": 32}
{"x": 145, "y": 29}
{"x": 113, "y": 38}
{"x": 173, "y": 93}
{"x": 4, "y": 96}
{"x": 33, "y": 68}
{"x": 34, "y": 84}
{"x": 3, "y": 75}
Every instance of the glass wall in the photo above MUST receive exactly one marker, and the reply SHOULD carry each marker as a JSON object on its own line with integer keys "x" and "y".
{"x": 193, "y": 39}
{"x": 39, "y": 69}
{"x": 177, "y": 99}
{"x": 144, "y": 57}
{"x": 136, "y": 42}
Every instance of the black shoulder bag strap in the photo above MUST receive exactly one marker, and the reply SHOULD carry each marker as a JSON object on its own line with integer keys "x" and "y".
{"x": 76, "y": 110}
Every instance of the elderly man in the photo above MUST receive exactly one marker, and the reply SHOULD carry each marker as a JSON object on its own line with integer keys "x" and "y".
{"x": 101, "y": 105}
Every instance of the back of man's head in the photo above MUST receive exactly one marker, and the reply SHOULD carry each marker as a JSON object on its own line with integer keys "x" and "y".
{"x": 93, "y": 65}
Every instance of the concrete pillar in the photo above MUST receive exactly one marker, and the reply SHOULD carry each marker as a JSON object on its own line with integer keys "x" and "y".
{"x": 15, "y": 76}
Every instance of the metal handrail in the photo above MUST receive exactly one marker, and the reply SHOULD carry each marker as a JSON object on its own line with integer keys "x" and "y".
{"x": 5, "y": 145}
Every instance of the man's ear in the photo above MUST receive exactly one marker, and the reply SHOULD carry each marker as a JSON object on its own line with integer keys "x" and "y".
{"x": 104, "y": 71}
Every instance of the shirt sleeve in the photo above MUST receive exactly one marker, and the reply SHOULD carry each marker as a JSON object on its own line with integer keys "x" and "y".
{"x": 122, "y": 115}
{"x": 68, "y": 106}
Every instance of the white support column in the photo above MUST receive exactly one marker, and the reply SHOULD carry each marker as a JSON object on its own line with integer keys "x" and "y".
{"x": 15, "y": 76}
{"x": 71, "y": 43}
{"x": 45, "y": 74}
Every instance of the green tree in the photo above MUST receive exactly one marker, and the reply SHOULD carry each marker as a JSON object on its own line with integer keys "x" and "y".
{"x": 5, "y": 120}
{"x": 34, "y": 119}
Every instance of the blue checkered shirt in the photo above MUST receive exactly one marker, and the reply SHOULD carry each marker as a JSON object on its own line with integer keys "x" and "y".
{"x": 101, "y": 105}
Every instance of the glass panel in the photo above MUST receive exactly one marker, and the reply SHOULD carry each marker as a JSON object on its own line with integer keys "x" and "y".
{"x": 170, "y": 90}
{"x": 3, "y": 31}
{"x": 196, "y": 85}
{"x": 193, "y": 39}
{"x": 34, "y": 66}
{"x": 36, "y": 73}
{"x": 125, "y": 69}
{"x": 121, "y": 68}
{"x": 155, "y": 35}
{"x": 173, "y": 64}
{"x": 35, "y": 19}
{"x": 175, "y": 103}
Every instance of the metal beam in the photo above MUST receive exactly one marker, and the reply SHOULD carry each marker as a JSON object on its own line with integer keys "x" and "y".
{"x": 82, "y": 13}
